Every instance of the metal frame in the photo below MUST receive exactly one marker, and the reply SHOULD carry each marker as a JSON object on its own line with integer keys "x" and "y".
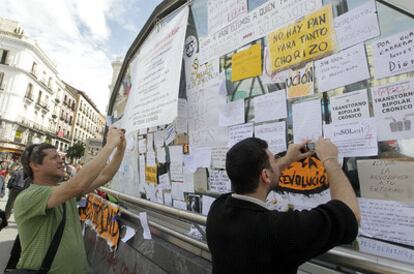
{"x": 339, "y": 256}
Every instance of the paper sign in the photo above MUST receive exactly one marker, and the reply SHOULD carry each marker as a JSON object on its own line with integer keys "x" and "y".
{"x": 218, "y": 157}
{"x": 202, "y": 156}
{"x": 219, "y": 181}
{"x": 393, "y": 108}
{"x": 180, "y": 204}
{"x": 203, "y": 124}
{"x": 176, "y": 163}
{"x": 300, "y": 82}
{"x": 307, "y": 121}
{"x": 170, "y": 134}
{"x": 239, "y": 132}
{"x": 386, "y": 179}
{"x": 161, "y": 155}
{"x": 155, "y": 75}
{"x": 222, "y": 12}
{"x": 386, "y": 250}
{"x": 341, "y": 69}
{"x": 200, "y": 180}
{"x": 178, "y": 188}
{"x": 150, "y": 142}
{"x": 168, "y": 198}
{"x": 142, "y": 169}
{"x": 270, "y": 106}
{"x": 142, "y": 145}
{"x": 164, "y": 179}
{"x": 306, "y": 176}
{"x": 353, "y": 139}
{"x": 146, "y": 234}
{"x": 357, "y": 25}
{"x": 307, "y": 39}
{"x": 274, "y": 134}
{"x": 200, "y": 75}
{"x": 393, "y": 55}
{"x": 254, "y": 25}
{"x": 151, "y": 174}
{"x": 206, "y": 204}
{"x": 159, "y": 138}
{"x": 246, "y": 63}
{"x": 387, "y": 220}
{"x": 350, "y": 106}
{"x": 129, "y": 233}
{"x": 232, "y": 113}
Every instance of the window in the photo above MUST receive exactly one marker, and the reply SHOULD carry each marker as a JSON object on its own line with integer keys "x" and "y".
{"x": 40, "y": 96}
{"x": 34, "y": 68}
{"x": 29, "y": 91}
{"x": 3, "y": 56}
{"x": 2, "y": 86}
{"x": 49, "y": 82}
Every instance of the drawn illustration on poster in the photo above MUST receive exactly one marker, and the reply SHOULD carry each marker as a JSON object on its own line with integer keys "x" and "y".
{"x": 350, "y": 106}
{"x": 393, "y": 55}
{"x": 393, "y": 108}
{"x": 309, "y": 38}
{"x": 306, "y": 176}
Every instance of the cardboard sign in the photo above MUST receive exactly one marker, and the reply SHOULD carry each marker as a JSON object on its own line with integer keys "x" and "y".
{"x": 247, "y": 63}
{"x": 101, "y": 216}
{"x": 306, "y": 176}
{"x": 301, "y": 82}
{"x": 307, "y": 39}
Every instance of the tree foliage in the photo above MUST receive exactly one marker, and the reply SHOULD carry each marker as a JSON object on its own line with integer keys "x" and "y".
{"x": 75, "y": 151}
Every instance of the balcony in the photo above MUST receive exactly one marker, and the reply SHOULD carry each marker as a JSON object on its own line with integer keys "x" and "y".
{"x": 57, "y": 100}
{"x": 28, "y": 97}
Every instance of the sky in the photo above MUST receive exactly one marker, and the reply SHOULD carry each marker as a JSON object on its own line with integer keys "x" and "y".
{"x": 82, "y": 37}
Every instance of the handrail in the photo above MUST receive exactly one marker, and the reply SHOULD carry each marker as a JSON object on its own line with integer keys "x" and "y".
{"x": 186, "y": 215}
{"x": 338, "y": 255}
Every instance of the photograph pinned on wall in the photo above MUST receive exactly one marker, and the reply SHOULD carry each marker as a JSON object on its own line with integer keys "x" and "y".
{"x": 193, "y": 202}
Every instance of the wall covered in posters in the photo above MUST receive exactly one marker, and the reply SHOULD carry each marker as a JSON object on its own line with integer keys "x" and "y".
{"x": 283, "y": 71}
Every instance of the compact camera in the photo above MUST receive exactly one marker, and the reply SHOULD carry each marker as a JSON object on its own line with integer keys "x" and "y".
{"x": 310, "y": 146}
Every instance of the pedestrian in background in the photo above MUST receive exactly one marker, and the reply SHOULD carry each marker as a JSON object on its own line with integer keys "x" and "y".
{"x": 17, "y": 183}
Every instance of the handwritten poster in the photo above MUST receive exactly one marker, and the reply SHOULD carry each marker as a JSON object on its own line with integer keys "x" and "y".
{"x": 219, "y": 182}
{"x": 222, "y": 12}
{"x": 300, "y": 82}
{"x": 156, "y": 76}
{"x": 393, "y": 108}
{"x": 309, "y": 38}
{"x": 246, "y": 63}
{"x": 393, "y": 55}
{"x": 270, "y": 106}
{"x": 239, "y": 132}
{"x": 305, "y": 176}
{"x": 274, "y": 134}
{"x": 387, "y": 220}
{"x": 386, "y": 250}
{"x": 203, "y": 123}
{"x": 254, "y": 25}
{"x": 176, "y": 163}
{"x": 200, "y": 75}
{"x": 357, "y": 25}
{"x": 350, "y": 106}
{"x": 386, "y": 179}
{"x": 341, "y": 69}
{"x": 232, "y": 113}
{"x": 353, "y": 139}
{"x": 151, "y": 169}
{"x": 307, "y": 121}
{"x": 218, "y": 157}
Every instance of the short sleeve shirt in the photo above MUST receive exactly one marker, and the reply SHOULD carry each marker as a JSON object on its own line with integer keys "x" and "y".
{"x": 36, "y": 226}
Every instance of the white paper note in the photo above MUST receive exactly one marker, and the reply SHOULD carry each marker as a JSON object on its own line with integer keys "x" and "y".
{"x": 387, "y": 220}
{"x": 239, "y": 132}
{"x": 218, "y": 157}
{"x": 180, "y": 204}
{"x": 142, "y": 145}
{"x": 357, "y": 25}
{"x": 219, "y": 181}
{"x": 178, "y": 188}
{"x": 270, "y": 106}
{"x": 170, "y": 134}
{"x": 350, "y": 106}
{"x": 393, "y": 55}
{"x": 386, "y": 179}
{"x": 232, "y": 113}
{"x": 129, "y": 233}
{"x": 159, "y": 138}
{"x": 150, "y": 142}
{"x": 394, "y": 111}
{"x": 307, "y": 121}
{"x": 176, "y": 163}
{"x": 144, "y": 223}
{"x": 206, "y": 204}
{"x": 161, "y": 155}
{"x": 164, "y": 179}
{"x": 167, "y": 198}
{"x": 341, "y": 69}
{"x": 353, "y": 139}
{"x": 151, "y": 159}
{"x": 222, "y": 12}
{"x": 142, "y": 169}
{"x": 274, "y": 134}
{"x": 201, "y": 156}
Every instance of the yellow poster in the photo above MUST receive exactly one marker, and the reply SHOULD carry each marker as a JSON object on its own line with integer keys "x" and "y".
{"x": 247, "y": 63}
{"x": 300, "y": 82}
{"x": 151, "y": 174}
{"x": 307, "y": 39}
{"x": 103, "y": 218}
{"x": 305, "y": 176}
